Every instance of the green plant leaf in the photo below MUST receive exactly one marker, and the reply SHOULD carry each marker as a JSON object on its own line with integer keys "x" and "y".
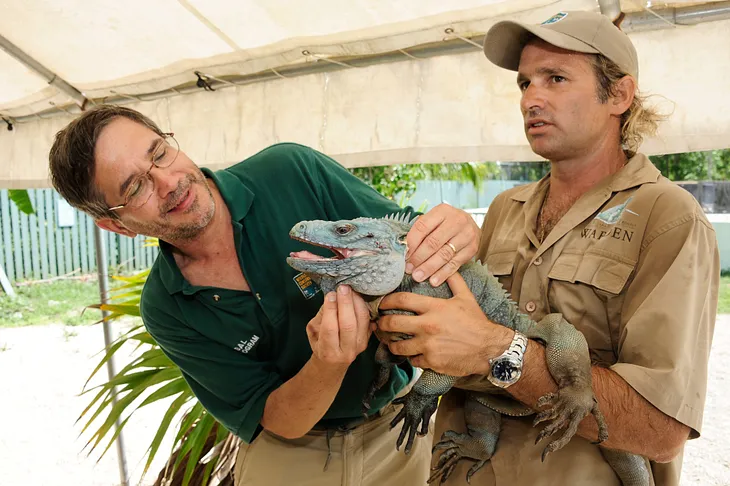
{"x": 21, "y": 198}
{"x": 194, "y": 414}
{"x": 112, "y": 349}
{"x": 143, "y": 337}
{"x": 119, "y": 408}
{"x": 126, "y": 309}
{"x": 163, "y": 428}
{"x": 122, "y": 396}
{"x": 113, "y": 438}
{"x": 208, "y": 468}
{"x": 147, "y": 378}
{"x": 135, "y": 294}
{"x": 138, "y": 278}
{"x": 128, "y": 285}
{"x": 175, "y": 386}
{"x": 105, "y": 403}
{"x": 197, "y": 438}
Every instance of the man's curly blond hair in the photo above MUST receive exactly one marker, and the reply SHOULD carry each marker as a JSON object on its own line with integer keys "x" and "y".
{"x": 640, "y": 120}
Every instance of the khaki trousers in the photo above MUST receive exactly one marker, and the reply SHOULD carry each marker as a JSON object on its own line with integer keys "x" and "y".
{"x": 363, "y": 456}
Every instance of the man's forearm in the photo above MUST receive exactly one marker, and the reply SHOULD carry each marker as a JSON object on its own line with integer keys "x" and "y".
{"x": 293, "y": 408}
{"x": 634, "y": 424}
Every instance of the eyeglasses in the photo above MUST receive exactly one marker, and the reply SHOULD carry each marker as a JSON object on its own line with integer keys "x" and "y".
{"x": 140, "y": 189}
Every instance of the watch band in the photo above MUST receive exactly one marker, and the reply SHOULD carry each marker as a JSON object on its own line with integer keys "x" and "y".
{"x": 512, "y": 357}
{"x": 518, "y": 346}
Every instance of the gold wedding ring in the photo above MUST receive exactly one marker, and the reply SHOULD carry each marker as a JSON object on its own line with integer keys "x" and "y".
{"x": 452, "y": 246}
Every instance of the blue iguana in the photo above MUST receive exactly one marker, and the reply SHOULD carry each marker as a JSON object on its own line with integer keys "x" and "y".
{"x": 370, "y": 258}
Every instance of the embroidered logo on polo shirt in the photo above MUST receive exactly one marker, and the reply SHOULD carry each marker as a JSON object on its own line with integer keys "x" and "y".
{"x": 622, "y": 230}
{"x": 612, "y": 215}
{"x": 245, "y": 345}
{"x": 306, "y": 285}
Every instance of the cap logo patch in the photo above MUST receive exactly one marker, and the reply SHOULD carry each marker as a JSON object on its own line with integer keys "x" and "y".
{"x": 555, "y": 18}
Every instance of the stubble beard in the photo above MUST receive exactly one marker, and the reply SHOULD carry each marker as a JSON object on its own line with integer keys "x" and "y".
{"x": 187, "y": 231}
{"x": 550, "y": 148}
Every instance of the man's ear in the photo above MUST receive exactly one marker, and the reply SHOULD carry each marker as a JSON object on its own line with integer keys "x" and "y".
{"x": 624, "y": 95}
{"x": 115, "y": 226}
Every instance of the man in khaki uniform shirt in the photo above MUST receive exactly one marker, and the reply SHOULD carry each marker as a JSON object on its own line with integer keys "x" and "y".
{"x": 625, "y": 255}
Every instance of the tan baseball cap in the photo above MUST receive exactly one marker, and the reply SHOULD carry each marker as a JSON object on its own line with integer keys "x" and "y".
{"x": 579, "y": 31}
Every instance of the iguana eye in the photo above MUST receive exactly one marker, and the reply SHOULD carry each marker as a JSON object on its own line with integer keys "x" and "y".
{"x": 344, "y": 229}
{"x": 402, "y": 239}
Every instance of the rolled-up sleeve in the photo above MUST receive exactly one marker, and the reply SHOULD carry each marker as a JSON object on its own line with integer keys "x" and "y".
{"x": 668, "y": 319}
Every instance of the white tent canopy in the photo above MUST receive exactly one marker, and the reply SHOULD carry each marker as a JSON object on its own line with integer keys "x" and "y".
{"x": 369, "y": 82}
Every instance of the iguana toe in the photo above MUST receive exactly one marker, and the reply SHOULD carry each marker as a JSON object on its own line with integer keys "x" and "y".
{"x": 417, "y": 411}
{"x": 445, "y": 466}
{"x": 456, "y": 446}
{"x": 474, "y": 469}
{"x": 601, "y": 421}
{"x": 567, "y": 408}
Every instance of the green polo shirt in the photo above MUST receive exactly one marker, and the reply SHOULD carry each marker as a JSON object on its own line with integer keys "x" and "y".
{"x": 235, "y": 347}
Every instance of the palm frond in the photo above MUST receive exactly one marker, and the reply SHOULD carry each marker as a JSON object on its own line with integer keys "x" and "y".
{"x": 203, "y": 450}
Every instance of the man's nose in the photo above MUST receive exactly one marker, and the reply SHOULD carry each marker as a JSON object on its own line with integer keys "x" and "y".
{"x": 165, "y": 181}
{"x": 533, "y": 98}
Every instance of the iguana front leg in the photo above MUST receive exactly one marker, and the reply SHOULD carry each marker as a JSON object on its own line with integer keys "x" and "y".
{"x": 386, "y": 360}
{"x": 568, "y": 360}
{"x": 383, "y": 357}
{"x": 419, "y": 405}
{"x": 478, "y": 443}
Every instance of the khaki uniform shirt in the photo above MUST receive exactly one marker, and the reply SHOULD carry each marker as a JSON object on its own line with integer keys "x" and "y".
{"x": 633, "y": 265}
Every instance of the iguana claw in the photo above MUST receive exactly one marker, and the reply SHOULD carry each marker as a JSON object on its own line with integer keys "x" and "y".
{"x": 567, "y": 409}
{"x": 461, "y": 446}
{"x": 417, "y": 410}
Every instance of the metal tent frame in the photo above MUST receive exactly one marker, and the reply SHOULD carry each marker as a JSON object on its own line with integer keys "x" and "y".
{"x": 638, "y": 21}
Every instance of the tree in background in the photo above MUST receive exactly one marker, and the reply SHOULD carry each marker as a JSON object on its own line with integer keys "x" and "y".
{"x": 400, "y": 180}
{"x": 713, "y": 165}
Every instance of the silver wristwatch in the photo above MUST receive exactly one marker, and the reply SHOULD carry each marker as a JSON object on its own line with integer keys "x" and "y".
{"x": 506, "y": 368}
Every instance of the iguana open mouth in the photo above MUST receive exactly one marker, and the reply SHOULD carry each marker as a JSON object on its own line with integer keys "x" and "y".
{"x": 340, "y": 253}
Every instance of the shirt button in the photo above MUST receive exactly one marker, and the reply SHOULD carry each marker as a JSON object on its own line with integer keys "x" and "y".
{"x": 538, "y": 261}
{"x": 258, "y": 296}
{"x": 216, "y": 297}
{"x": 530, "y": 306}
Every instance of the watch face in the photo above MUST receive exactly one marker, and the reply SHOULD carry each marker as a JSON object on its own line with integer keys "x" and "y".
{"x": 504, "y": 370}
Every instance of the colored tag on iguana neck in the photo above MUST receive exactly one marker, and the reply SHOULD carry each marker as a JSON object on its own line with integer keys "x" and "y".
{"x": 306, "y": 285}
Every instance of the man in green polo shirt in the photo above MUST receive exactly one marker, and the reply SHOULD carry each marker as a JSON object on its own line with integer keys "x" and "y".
{"x": 277, "y": 363}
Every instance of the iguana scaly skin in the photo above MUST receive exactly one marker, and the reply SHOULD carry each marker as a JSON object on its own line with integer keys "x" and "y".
{"x": 370, "y": 258}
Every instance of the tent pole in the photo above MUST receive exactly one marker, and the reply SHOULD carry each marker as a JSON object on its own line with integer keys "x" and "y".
{"x": 5, "y": 283}
{"x": 52, "y": 78}
{"x": 102, "y": 268}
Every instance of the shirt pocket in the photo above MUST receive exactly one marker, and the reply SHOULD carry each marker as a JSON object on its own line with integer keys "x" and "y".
{"x": 501, "y": 264}
{"x": 604, "y": 272}
{"x": 586, "y": 288}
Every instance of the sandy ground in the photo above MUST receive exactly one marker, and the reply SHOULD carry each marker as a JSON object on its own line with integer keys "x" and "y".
{"x": 43, "y": 369}
{"x": 42, "y": 372}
